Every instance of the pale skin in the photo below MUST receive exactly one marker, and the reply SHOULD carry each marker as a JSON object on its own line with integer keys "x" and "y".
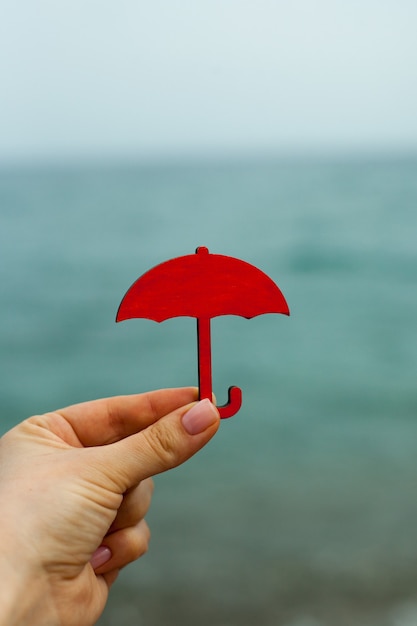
{"x": 75, "y": 486}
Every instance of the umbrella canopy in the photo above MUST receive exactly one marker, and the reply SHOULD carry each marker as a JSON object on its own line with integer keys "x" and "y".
{"x": 203, "y": 286}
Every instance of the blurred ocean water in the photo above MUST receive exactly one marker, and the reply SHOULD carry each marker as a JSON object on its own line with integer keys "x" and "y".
{"x": 303, "y": 509}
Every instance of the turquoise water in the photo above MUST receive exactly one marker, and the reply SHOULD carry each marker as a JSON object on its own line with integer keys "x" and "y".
{"x": 303, "y": 509}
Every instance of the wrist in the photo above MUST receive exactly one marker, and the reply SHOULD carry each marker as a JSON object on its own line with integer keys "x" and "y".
{"x": 24, "y": 597}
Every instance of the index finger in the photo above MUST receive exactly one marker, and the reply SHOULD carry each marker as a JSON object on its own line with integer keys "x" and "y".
{"x": 107, "y": 420}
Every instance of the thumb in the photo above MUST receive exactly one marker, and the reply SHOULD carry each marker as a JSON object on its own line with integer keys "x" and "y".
{"x": 166, "y": 443}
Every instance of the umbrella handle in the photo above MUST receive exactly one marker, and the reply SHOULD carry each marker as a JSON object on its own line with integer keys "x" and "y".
{"x": 204, "y": 372}
{"x": 234, "y": 403}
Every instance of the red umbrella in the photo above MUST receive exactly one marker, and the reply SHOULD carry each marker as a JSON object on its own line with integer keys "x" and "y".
{"x": 203, "y": 285}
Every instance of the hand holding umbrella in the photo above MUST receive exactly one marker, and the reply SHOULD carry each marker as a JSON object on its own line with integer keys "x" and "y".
{"x": 203, "y": 285}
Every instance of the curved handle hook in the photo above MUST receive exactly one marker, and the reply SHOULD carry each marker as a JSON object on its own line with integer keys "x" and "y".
{"x": 234, "y": 403}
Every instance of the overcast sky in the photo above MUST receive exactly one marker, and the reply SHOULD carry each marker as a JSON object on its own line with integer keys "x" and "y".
{"x": 81, "y": 78}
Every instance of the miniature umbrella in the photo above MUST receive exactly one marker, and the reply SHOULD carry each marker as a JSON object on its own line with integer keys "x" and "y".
{"x": 203, "y": 285}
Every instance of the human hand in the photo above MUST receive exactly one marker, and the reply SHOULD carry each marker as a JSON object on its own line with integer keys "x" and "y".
{"x": 75, "y": 486}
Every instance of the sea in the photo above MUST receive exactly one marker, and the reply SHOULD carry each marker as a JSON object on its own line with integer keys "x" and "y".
{"x": 302, "y": 511}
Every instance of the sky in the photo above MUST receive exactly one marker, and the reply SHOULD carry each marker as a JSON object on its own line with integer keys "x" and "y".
{"x": 90, "y": 78}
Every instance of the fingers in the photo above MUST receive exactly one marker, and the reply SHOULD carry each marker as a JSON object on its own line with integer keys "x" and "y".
{"x": 135, "y": 505}
{"x": 163, "y": 445}
{"x": 121, "y": 548}
{"x": 129, "y": 535}
{"x": 104, "y": 421}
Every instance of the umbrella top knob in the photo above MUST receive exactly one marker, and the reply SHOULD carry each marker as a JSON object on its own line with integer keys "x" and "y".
{"x": 202, "y": 250}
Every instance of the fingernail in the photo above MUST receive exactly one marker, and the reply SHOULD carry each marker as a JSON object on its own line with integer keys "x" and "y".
{"x": 201, "y": 416}
{"x": 100, "y": 557}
